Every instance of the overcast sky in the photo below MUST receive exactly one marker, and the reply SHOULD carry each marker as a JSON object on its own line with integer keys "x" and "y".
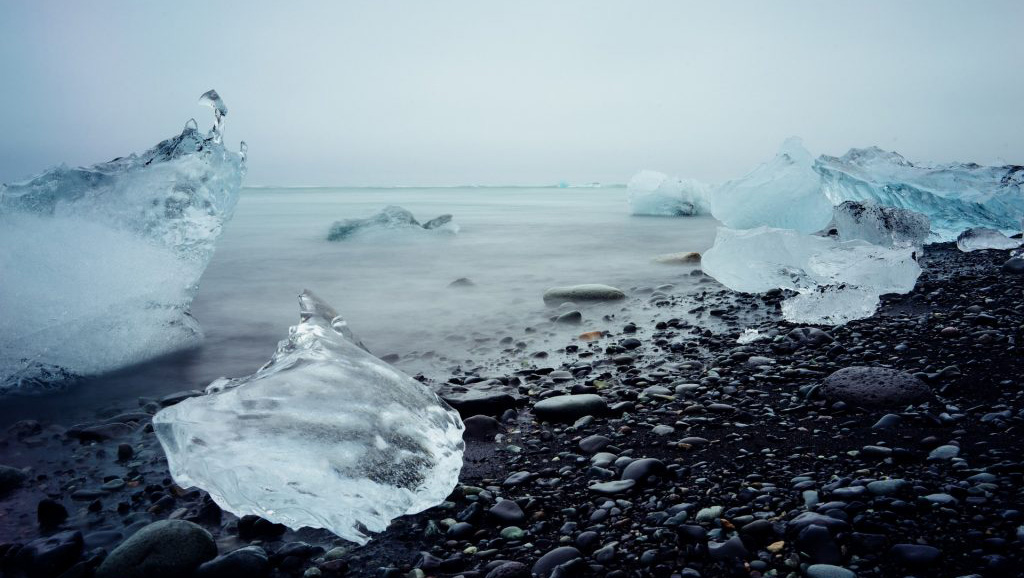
{"x": 416, "y": 92}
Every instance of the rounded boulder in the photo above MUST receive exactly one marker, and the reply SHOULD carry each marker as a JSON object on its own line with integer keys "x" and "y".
{"x": 875, "y": 387}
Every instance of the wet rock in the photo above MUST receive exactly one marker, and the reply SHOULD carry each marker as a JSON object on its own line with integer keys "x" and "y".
{"x": 874, "y": 387}
{"x": 548, "y": 562}
{"x": 915, "y": 555}
{"x": 509, "y": 570}
{"x": 50, "y": 513}
{"x": 570, "y": 318}
{"x": 50, "y": 556}
{"x": 582, "y": 293}
{"x": 248, "y": 561}
{"x": 829, "y": 571}
{"x": 165, "y": 549}
{"x": 567, "y": 408}
{"x": 481, "y": 427}
{"x": 507, "y": 512}
{"x": 686, "y": 258}
{"x": 11, "y": 479}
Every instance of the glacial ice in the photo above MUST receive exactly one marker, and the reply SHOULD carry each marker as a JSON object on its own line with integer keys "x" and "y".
{"x": 835, "y": 281}
{"x": 325, "y": 435}
{"x": 389, "y": 220}
{"x": 980, "y": 238}
{"x": 955, "y": 197}
{"x": 656, "y": 194}
{"x": 878, "y": 225}
{"x": 100, "y": 263}
{"x": 784, "y": 193}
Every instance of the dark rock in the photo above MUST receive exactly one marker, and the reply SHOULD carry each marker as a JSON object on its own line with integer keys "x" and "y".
{"x": 642, "y": 469}
{"x": 915, "y": 555}
{"x": 248, "y": 561}
{"x": 1015, "y": 266}
{"x": 593, "y": 444}
{"x": 165, "y": 549}
{"x": 10, "y": 479}
{"x": 50, "y": 556}
{"x": 481, "y": 427}
{"x": 548, "y": 562}
{"x": 570, "y": 318}
{"x": 732, "y": 548}
{"x": 98, "y": 433}
{"x": 507, "y": 512}
{"x": 875, "y": 387}
{"x": 567, "y": 408}
{"x": 50, "y": 513}
{"x": 480, "y": 400}
{"x": 510, "y": 570}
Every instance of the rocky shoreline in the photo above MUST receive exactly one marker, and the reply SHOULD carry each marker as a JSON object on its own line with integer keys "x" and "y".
{"x": 680, "y": 452}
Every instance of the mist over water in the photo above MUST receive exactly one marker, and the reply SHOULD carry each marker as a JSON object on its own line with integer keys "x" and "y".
{"x": 392, "y": 286}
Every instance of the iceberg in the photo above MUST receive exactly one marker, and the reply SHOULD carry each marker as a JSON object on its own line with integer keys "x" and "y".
{"x": 783, "y": 193}
{"x": 324, "y": 435}
{"x": 101, "y": 263}
{"x": 955, "y": 196}
{"x": 878, "y": 225}
{"x": 834, "y": 281}
{"x": 656, "y": 194}
{"x": 392, "y": 218}
{"x": 980, "y": 238}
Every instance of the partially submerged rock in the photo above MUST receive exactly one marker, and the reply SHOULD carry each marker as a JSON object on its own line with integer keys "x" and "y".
{"x": 685, "y": 258}
{"x": 582, "y": 293}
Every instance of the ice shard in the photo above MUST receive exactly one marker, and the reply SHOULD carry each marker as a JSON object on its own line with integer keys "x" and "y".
{"x": 325, "y": 435}
{"x": 783, "y": 193}
{"x": 878, "y": 225}
{"x": 834, "y": 281}
{"x": 955, "y": 197}
{"x": 100, "y": 263}
{"x": 980, "y": 238}
{"x": 656, "y": 194}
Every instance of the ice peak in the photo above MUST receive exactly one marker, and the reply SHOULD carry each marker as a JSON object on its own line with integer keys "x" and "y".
{"x": 211, "y": 99}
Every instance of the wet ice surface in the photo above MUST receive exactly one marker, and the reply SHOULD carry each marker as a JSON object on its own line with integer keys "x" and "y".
{"x": 325, "y": 435}
{"x": 836, "y": 281}
{"x": 515, "y": 243}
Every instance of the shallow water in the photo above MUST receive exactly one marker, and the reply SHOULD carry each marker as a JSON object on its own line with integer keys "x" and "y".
{"x": 392, "y": 287}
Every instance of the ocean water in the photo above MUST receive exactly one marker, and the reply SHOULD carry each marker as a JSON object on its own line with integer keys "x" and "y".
{"x": 514, "y": 243}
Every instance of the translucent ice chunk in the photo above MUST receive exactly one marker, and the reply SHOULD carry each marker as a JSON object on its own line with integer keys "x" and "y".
{"x": 784, "y": 192}
{"x": 391, "y": 219}
{"x": 878, "y": 225}
{"x": 836, "y": 281}
{"x": 100, "y": 264}
{"x": 980, "y": 238}
{"x": 211, "y": 99}
{"x": 325, "y": 435}
{"x": 954, "y": 196}
{"x": 656, "y": 194}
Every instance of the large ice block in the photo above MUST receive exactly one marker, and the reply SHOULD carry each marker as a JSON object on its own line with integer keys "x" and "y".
{"x": 835, "y": 281}
{"x": 955, "y": 197}
{"x": 100, "y": 263}
{"x": 656, "y": 194}
{"x": 325, "y": 435}
{"x": 784, "y": 193}
{"x": 878, "y": 225}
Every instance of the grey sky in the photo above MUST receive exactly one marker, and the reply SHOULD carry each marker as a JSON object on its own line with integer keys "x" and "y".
{"x": 416, "y": 92}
